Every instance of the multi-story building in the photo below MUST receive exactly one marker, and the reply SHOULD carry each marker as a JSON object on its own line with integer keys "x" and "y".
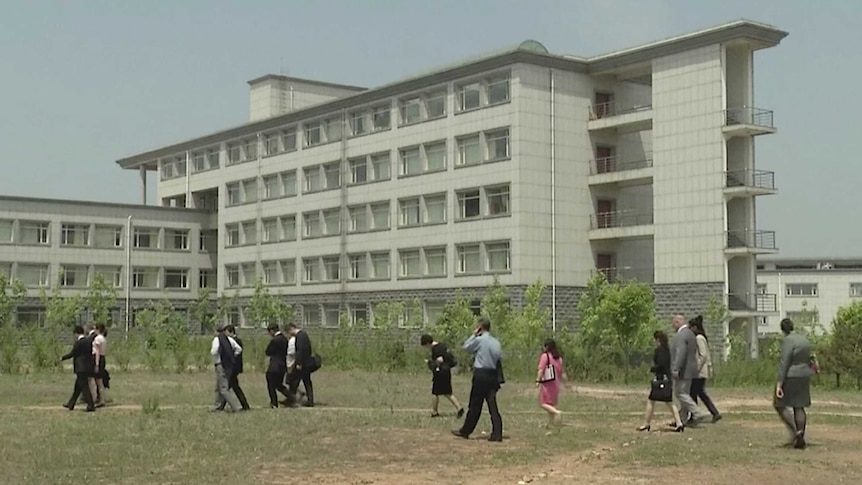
{"x": 524, "y": 165}
{"x": 816, "y": 286}
{"x": 144, "y": 252}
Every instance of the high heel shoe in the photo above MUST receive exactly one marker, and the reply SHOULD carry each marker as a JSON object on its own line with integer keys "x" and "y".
{"x": 644, "y": 428}
{"x": 679, "y": 429}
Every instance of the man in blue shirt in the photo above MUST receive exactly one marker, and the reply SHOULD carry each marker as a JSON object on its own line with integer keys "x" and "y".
{"x": 487, "y": 354}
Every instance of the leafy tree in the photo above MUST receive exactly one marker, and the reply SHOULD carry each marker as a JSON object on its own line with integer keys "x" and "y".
{"x": 61, "y": 313}
{"x": 715, "y": 317}
{"x": 100, "y": 299}
{"x": 11, "y": 294}
{"x": 166, "y": 332}
{"x": 844, "y": 347}
{"x": 202, "y": 311}
{"x": 455, "y": 322}
{"x": 530, "y": 323}
{"x": 264, "y": 308}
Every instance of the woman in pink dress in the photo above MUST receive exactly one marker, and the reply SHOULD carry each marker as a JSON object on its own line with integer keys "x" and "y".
{"x": 548, "y": 379}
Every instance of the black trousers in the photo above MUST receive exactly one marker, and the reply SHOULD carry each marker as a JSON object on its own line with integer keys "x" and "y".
{"x": 484, "y": 390}
{"x": 82, "y": 386}
{"x": 275, "y": 382}
{"x": 698, "y": 391}
{"x": 233, "y": 383}
{"x": 305, "y": 377}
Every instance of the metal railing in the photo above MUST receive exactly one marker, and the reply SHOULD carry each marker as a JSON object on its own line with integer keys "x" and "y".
{"x": 751, "y": 239}
{"x": 626, "y": 273}
{"x": 748, "y": 116}
{"x": 752, "y": 302}
{"x": 761, "y": 179}
{"x": 604, "y": 220}
{"x": 611, "y": 108}
{"x": 614, "y": 164}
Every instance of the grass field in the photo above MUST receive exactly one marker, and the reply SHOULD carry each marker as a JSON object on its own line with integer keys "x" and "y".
{"x": 376, "y": 429}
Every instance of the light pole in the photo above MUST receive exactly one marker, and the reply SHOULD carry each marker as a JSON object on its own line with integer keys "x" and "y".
{"x": 128, "y": 276}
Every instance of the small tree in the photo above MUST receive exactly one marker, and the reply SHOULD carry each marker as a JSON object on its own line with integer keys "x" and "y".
{"x": 101, "y": 298}
{"x": 11, "y": 294}
{"x": 715, "y": 316}
{"x": 202, "y": 311}
{"x": 844, "y": 348}
{"x": 61, "y": 313}
{"x": 166, "y": 332}
{"x": 530, "y": 323}
{"x": 264, "y": 308}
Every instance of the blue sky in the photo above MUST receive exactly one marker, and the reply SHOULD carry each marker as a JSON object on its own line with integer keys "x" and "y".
{"x": 84, "y": 83}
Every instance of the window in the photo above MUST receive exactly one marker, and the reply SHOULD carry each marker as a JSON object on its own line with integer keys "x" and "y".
{"x": 145, "y": 238}
{"x": 233, "y": 194}
{"x": 311, "y": 315}
{"x": 313, "y": 227}
{"x": 312, "y": 134}
{"x": 434, "y": 310}
{"x": 249, "y": 273}
{"x": 288, "y": 183}
{"x": 288, "y": 227}
{"x": 333, "y": 130}
{"x": 167, "y": 170}
{"x": 358, "y": 218}
{"x": 380, "y": 215}
{"x": 358, "y": 171}
{"x": 411, "y": 110}
{"x": 271, "y": 187}
{"x": 74, "y": 276}
{"x": 435, "y": 208}
{"x": 74, "y": 235}
{"x": 232, "y": 232}
{"x": 409, "y": 209}
{"x": 199, "y": 161}
{"x": 469, "y": 96}
{"x": 381, "y": 164}
{"x": 410, "y": 262}
{"x": 468, "y": 150}
{"x": 358, "y": 266}
{"x": 288, "y": 271}
{"x": 234, "y": 153}
{"x": 5, "y": 231}
{"x": 32, "y": 232}
{"x": 411, "y": 161}
{"x": 249, "y": 149}
{"x": 435, "y": 104}
{"x": 249, "y": 232}
{"x": 435, "y": 156}
{"x": 801, "y": 289}
{"x": 498, "y": 90}
{"x": 269, "y": 230}
{"x": 333, "y": 175}
{"x": 108, "y": 237}
{"x": 33, "y": 275}
{"x": 288, "y": 139}
{"x": 109, "y": 274}
{"x": 359, "y": 314}
{"x": 469, "y": 258}
{"x": 498, "y": 144}
{"x": 206, "y": 278}
{"x": 498, "y": 256}
{"x": 313, "y": 179}
{"x": 145, "y": 278}
{"x": 332, "y": 221}
{"x": 213, "y": 158}
{"x": 6, "y": 270}
{"x": 311, "y": 269}
{"x": 332, "y": 268}
{"x": 498, "y": 200}
{"x": 331, "y": 315}
{"x": 177, "y": 239}
{"x": 468, "y": 204}
{"x": 435, "y": 261}
{"x": 234, "y": 317}
{"x": 177, "y": 278}
{"x": 359, "y": 123}
{"x": 380, "y": 118}
{"x": 232, "y": 276}
{"x": 380, "y": 265}
{"x": 249, "y": 190}
{"x": 855, "y": 289}
{"x": 271, "y": 145}
{"x": 269, "y": 272}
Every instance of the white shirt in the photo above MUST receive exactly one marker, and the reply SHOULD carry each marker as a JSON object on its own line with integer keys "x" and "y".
{"x": 291, "y": 352}
{"x": 100, "y": 346}
{"x": 682, "y": 327}
{"x": 215, "y": 348}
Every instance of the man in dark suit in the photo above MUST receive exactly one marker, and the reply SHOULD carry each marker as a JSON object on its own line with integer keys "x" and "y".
{"x": 305, "y": 364}
{"x": 83, "y": 365}
{"x": 233, "y": 380}
{"x": 276, "y": 350}
{"x": 684, "y": 368}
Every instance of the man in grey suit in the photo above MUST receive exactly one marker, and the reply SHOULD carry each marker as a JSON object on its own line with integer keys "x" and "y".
{"x": 684, "y": 368}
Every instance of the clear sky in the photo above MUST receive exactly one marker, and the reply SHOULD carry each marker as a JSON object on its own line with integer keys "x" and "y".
{"x": 85, "y": 83}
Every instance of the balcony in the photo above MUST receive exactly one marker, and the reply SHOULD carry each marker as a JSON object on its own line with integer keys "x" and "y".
{"x": 610, "y": 115}
{"x": 610, "y": 170}
{"x": 750, "y": 242}
{"x": 747, "y": 121}
{"x": 742, "y": 183}
{"x": 752, "y": 303}
{"x": 621, "y": 224}
{"x": 626, "y": 273}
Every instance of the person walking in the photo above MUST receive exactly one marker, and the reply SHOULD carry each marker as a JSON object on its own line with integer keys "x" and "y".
{"x": 305, "y": 365}
{"x": 83, "y": 366}
{"x": 441, "y": 363}
{"x": 551, "y": 374}
{"x": 233, "y": 381}
{"x": 704, "y": 369}
{"x": 224, "y": 351}
{"x": 684, "y": 368}
{"x": 487, "y": 357}
{"x": 276, "y": 350}
{"x": 661, "y": 387}
{"x": 793, "y": 386}
{"x": 100, "y": 350}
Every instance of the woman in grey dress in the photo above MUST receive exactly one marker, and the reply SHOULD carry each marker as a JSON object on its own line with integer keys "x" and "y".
{"x": 793, "y": 388}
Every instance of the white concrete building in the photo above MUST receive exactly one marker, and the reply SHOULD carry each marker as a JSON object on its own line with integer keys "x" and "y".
{"x": 815, "y": 285}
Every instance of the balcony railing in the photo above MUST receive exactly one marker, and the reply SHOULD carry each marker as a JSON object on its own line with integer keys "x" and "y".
{"x": 614, "y": 164}
{"x": 611, "y": 108}
{"x": 625, "y": 273}
{"x": 604, "y": 220}
{"x": 752, "y": 302}
{"x": 751, "y": 239}
{"x": 748, "y": 116}
{"x": 759, "y": 179}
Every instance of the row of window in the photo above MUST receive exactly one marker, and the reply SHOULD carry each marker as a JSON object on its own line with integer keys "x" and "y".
{"x": 431, "y": 262}
{"x": 38, "y": 275}
{"x": 414, "y": 108}
{"x": 415, "y": 160}
{"x": 473, "y": 203}
{"x": 812, "y": 289}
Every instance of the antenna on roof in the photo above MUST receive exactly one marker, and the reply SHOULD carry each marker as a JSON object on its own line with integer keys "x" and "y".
{"x": 284, "y": 71}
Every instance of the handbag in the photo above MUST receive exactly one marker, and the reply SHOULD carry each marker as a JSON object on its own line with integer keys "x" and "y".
{"x": 314, "y": 364}
{"x": 661, "y": 390}
{"x": 549, "y": 373}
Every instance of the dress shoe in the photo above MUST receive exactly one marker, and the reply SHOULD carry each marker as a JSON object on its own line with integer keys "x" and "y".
{"x": 308, "y": 405}
{"x": 716, "y": 418}
{"x": 495, "y": 439}
{"x": 90, "y": 410}
{"x": 460, "y": 413}
{"x": 645, "y": 428}
{"x": 458, "y": 433}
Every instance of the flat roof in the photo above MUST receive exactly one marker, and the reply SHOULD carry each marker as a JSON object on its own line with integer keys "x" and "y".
{"x": 531, "y": 52}
{"x": 89, "y": 203}
{"x": 279, "y": 77}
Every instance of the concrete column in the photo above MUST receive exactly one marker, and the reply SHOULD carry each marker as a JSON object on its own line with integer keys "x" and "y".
{"x": 143, "y": 171}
